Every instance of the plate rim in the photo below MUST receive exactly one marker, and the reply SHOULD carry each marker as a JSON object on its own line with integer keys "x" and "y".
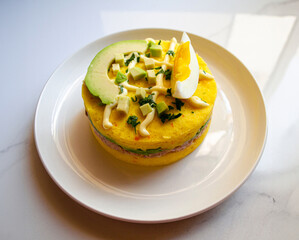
{"x": 216, "y": 203}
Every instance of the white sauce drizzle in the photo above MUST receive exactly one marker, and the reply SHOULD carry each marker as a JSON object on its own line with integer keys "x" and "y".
{"x": 195, "y": 101}
{"x": 204, "y": 75}
{"x": 107, "y": 112}
{"x": 106, "y": 123}
{"x": 149, "y": 117}
{"x": 129, "y": 86}
{"x": 170, "y": 65}
{"x": 150, "y": 40}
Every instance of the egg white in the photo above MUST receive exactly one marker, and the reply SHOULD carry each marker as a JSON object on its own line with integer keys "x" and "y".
{"x": 185, "y": 89}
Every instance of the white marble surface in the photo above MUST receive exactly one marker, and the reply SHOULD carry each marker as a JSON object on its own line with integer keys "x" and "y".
{"x": 37, "y": 36}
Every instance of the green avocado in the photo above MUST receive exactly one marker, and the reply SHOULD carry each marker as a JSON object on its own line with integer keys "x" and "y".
{"x": 120, "y": 77}
{"x": 97, "y": 80}
{"x": 156, "y": 50}
{"x": 162, "y": 107}
{"x": 137, "y": 73}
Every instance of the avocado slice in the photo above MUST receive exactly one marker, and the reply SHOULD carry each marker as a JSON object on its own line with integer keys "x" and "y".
{"x": 146, "y": 109}
{"x": 137, "y": 73}
{"x": 123, "y": 104}
{"x": 156, "y": 50}
{"x": 151, "y": 76}
{"x": 120, "y": 77}
{"x": 162, "y": 107}
{"x": 97, "y": 80}
{"x": 140, "y": 93}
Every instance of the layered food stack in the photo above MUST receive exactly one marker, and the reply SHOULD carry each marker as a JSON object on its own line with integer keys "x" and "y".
{"x": 149, "y": 102}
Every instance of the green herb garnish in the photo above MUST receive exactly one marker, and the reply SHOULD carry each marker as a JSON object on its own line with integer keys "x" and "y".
{"x": 204, "y": 71}
{"x": 159, "y": 42}
{"x": 145, "y": 152}
{"x": 134, "y": 99}
{"x": 170, "y": 53}
{"x": 202, "y": 127}
{"x": 178, "y": 103}
{"x": 170, "y": 107}
{"x": 130, "y": 59}
{"x": 133, "y": 121}
{"x": 158, "y": 68}
{"x": 192, "y": 112}
{"x": 160, "y": 71}
{"x": 138, "y": 59}
{"x": 167, "y": 74}
{"x": 121, "y": 89}
{"x": 148, "y": 55}
{"x": 127, "y": 70}
{"x": 169, "y": 116}
{"x": 168, "y": 92}
{"x": 149, "y": 100}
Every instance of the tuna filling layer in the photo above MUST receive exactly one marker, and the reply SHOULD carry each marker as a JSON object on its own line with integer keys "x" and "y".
{"x": 158, "y": 152}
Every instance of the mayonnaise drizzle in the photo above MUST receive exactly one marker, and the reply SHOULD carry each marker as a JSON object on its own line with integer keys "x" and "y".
{"x": 195, "y": 101}
{"x": 203, "y": 74}
{"x": 149, "y": 117}
{"x": 106, "y": 123}
{"x": 170, "y": 65}
{"x": 107, "y": 112}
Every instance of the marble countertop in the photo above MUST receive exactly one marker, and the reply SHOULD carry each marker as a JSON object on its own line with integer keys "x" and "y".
{"x": 36, "y": 36}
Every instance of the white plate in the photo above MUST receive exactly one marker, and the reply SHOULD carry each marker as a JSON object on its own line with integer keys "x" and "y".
{"x": 119, "y": 190}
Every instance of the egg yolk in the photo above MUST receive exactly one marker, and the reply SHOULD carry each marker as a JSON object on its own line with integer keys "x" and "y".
{"x": 181, "y": 70}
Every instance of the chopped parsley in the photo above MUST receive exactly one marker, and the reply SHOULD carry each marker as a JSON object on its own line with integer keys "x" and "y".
{"x": 168, "y": 92}
{"x": 134, "y": 99}
{"x": 167, "y": 74}
{"x": 148, "y": 55}
{"x": 138, "y": 59}
{"x": 127, "y": 70}
{"x": 169, "y": 116}
{"x": 170, "y": 107}
{"x": 160, "y": 71}
{"x": 130, "y": 59}
{"x": 132, "y": 120}
{"x": 204, "y": 71}
{"x": 192, "y": 112}
{"x": 121, "y": 89}
{"x": 170, "y": 53}
{"x": 159, "y": 42}
{"x": 178, "y": 103}
{"x": 149, "y": 100}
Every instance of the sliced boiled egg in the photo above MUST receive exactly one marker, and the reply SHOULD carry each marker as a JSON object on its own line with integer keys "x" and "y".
{"x": 185, "y": 71}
